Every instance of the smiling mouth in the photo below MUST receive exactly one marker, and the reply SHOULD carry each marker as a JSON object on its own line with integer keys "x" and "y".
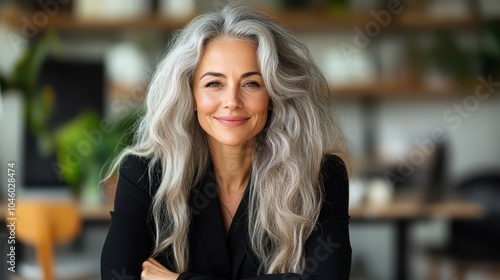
{"x": 232, "y": 121}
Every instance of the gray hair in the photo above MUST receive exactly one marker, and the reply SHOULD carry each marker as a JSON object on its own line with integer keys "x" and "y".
{"x": 286, "y": 191}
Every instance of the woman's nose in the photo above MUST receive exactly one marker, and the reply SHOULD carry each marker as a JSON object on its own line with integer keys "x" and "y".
{"x": 232, "y": 98}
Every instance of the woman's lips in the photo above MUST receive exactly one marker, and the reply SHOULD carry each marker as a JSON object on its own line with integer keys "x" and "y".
{"x": 232, "y": 121}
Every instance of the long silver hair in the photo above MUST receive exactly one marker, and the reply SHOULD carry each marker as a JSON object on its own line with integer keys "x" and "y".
{"x": 286, "y": 191}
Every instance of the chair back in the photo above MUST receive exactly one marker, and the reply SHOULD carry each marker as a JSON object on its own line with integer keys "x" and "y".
{"x": 44, "y": 224}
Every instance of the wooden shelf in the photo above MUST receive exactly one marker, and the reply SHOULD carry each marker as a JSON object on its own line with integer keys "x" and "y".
{"x": 325, "y": 21}
{"x": 403, "y": 90}
{"x": 412, "y": 20}
{"x": 313, "y": 20}
{"x": 65, "y": 21}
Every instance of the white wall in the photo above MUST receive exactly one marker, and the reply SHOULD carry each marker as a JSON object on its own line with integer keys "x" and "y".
{"x": 11, "y": 125}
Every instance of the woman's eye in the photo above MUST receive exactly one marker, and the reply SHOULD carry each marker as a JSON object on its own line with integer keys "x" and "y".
{"x": 213, "y": 84}
{"x": 252, "y": 84}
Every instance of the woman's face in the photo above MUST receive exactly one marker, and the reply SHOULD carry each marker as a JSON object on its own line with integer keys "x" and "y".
{"x": 230, "y": 95}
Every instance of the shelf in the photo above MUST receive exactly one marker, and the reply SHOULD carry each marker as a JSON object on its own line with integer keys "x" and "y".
{"x": 412, "y": 20}
{"x": 402, "y": 90}
{"x": 314, "y": 20}
{"x": 65, "y": 21}
{"x": 325, "y": 21}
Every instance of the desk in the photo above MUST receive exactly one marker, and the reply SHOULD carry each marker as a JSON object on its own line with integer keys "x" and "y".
{"x": 402, "y": 207}
{"x": 89, "y": 213}
{"x": 402, "y": 211}
{"x": 96, "y": 213}
{"x": 407, "y": 208}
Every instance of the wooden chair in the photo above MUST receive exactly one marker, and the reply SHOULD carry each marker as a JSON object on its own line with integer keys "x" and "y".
{"x": 44, "y": 224}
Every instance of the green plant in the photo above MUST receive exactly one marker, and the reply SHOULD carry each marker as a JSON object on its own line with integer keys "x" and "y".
{"x": 83, "y": 147}
{"x": 489, "y": 48}
{"x": 449, "y": 56}
{"x": 38, "y": 102}
{"x": 338, "y": 8}
{"x": 79, "y": 158}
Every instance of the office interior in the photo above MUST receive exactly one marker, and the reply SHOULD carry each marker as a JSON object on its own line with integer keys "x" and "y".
{"x": 416, "y": 87}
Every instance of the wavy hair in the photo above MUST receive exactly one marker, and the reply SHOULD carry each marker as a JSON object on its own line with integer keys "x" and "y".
{"x": 286, "y": 191}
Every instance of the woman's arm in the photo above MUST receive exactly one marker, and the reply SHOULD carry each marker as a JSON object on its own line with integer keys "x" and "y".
{"x": 130, "y": 240}
{"x": 328, "y": 249}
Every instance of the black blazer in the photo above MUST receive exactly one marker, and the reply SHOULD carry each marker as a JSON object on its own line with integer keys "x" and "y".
{"x": 213, "y": 255}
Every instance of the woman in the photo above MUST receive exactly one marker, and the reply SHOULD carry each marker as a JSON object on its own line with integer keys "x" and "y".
{"x": 233, "y": 173}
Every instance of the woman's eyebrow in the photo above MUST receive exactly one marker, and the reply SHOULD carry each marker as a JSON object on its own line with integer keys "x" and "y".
{"x": 217, "y": 74}
{"x": 248, "y": 74}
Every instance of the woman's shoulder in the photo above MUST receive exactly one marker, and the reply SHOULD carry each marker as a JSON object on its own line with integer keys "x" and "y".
{"x": 334, "y": 175}
{"x": 135, "y": 169}
{"x": 333, "y": 165}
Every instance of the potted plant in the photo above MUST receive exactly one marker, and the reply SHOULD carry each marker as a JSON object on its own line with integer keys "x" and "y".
{"x": 67, "y": 140}
{"x": 83, "y": 148}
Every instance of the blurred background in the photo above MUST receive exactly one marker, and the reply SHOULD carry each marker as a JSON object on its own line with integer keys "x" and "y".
{"x": 417, "y": 90}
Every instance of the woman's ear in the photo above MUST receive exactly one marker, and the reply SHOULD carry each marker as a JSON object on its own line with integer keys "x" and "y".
{"x": 270, "y": 105}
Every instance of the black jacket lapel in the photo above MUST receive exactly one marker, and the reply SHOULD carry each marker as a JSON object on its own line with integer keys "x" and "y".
{"x": 238, "y": 236}
{"x": 208, "y": 226}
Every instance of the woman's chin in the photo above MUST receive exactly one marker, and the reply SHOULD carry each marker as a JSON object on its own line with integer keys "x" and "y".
{"x": 234, "y": 141}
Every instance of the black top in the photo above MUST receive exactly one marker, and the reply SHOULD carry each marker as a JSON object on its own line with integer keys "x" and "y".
{"x": 213, "y": 255}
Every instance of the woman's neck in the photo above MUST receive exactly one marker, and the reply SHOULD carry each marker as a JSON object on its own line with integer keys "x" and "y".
{"x": 232, "y": 165}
